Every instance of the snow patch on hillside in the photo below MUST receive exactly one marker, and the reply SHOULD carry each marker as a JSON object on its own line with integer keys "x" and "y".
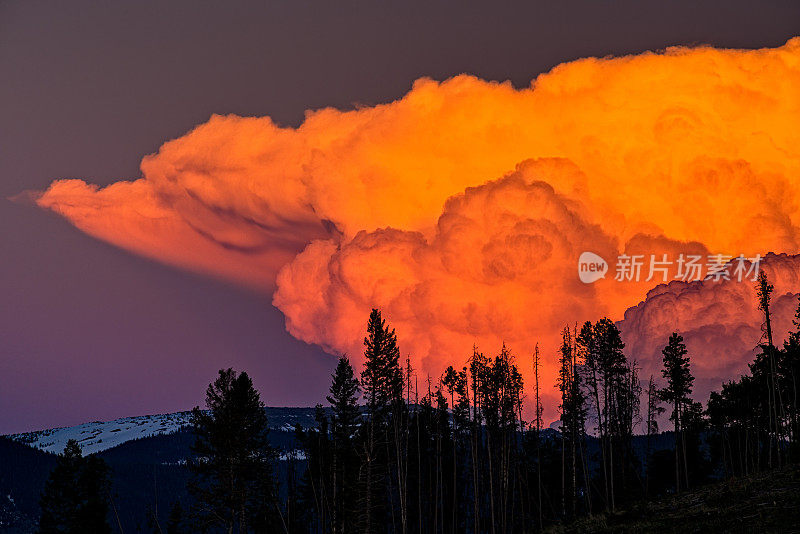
{"x": 98, "y": 436}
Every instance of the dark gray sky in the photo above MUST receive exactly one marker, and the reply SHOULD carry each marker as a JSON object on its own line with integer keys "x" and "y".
{"x": 87, "y": 88}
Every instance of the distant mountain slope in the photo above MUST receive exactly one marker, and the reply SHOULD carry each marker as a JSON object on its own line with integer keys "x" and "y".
{"x": 99, "y": 436}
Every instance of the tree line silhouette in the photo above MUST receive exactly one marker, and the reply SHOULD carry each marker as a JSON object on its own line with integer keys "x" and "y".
{"x": 394, "y": 453}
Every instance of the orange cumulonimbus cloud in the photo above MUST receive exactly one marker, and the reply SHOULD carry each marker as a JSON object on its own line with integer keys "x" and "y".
{"x": 461, "y": 208}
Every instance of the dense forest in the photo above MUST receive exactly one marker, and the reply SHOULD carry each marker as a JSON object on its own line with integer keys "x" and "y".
{"x": 396, "y": 452}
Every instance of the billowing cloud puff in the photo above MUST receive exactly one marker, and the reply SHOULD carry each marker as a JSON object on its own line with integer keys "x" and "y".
{"x": 500, "y": 266}
{"x": 461, "y": 208}
{"x": 699, "y": 144}
{"x": 719, "y": 321}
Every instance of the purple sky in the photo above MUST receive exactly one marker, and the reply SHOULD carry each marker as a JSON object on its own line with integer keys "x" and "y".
{"x": 90, "y": 332}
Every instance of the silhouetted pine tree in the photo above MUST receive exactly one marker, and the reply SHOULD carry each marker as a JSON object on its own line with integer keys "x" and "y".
{"x": 455, "y": 382}
{"x": 573, "y": 423}
{"x": 774, "y": 402}
{"x": 382, "y": 384}
{"x": 345, "y": 421}
{"x": 679, "y": 386}
{"x": 738, "y": 416}
{"x": 608, "y": 381}
{"x": 693, "y": 426}
{"x": 74, "y": 499}
{"x": 654, "y": 411}
{"x": 460, "y": 458}
{"x": 789, "y": 376}
{"x": 755, "y": 419}
{"x": 422, "y": 461}
{"x": 537, "y": 435}
{"x": 478, "y": 373}
{"x": 500, "y": 393}
{"x": 233, "y": 482}
{"x": 627, "y": 405}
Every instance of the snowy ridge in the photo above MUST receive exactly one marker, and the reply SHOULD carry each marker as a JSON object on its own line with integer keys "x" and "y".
{"x": 98, "y": 436}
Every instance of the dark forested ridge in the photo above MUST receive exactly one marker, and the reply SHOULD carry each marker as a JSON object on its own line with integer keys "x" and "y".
{"x": 23, "y": 472}
{"x": 394, "y": 451}
{"x": 149, "y": 474}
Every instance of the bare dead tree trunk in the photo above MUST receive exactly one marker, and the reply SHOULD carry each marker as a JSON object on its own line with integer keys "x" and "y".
{"x": 419, "y": 456}
{"x": 584, "y": 465}
{"x": 601, "y": 429}
{"x": 677, "y": 463}
{"x": 538, "y": 434}
{"x": 368, "y": 468}
{"x": 491, "y": 479}
{"x": 563, "y": 479}
{"x": 475, "y": 448}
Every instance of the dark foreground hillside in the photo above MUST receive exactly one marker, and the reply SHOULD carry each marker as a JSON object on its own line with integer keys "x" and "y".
{"x": 766, "y": 502}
